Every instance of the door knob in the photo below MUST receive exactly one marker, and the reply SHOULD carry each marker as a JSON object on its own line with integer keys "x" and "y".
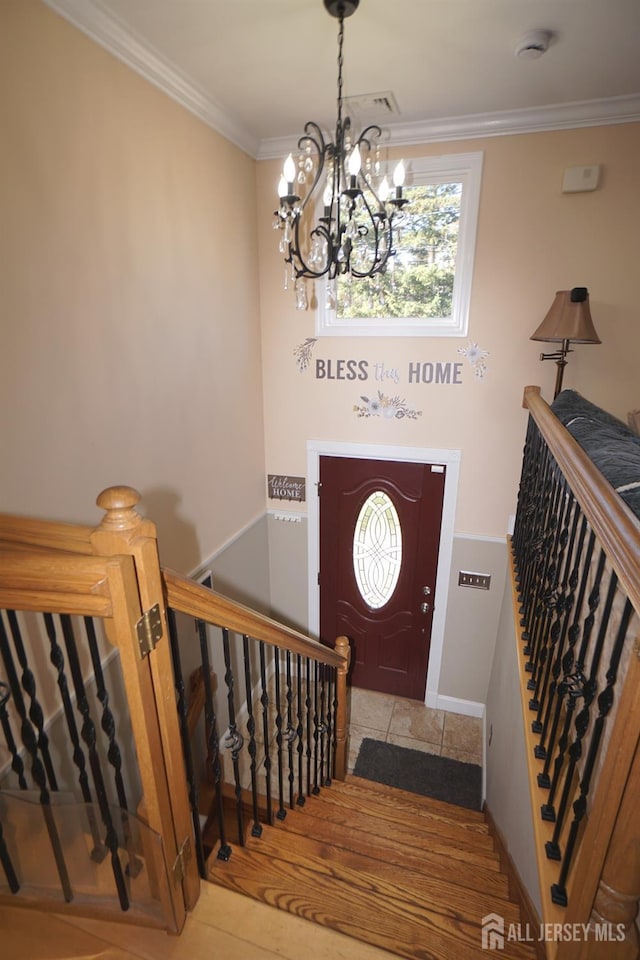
{"x": 424, "y": 607}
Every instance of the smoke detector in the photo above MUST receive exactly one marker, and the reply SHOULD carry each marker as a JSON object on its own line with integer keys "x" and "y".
{"x": 533, "y": 44}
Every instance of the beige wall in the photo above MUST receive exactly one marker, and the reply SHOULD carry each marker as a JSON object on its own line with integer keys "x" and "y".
{"x": 532, "y": 240}
{"x": 472, "y": 619}
{"x": 129, "y": 307}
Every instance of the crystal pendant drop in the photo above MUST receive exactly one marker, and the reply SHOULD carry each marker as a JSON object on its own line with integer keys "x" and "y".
{"x": 330, "y": 295}
{"x": 301, "y": 294}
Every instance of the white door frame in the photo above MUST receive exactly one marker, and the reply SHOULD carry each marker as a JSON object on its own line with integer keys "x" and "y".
{"x": 372, "y": 451}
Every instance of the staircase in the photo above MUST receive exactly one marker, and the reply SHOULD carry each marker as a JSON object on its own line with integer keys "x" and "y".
{"x": 405, "y": 873}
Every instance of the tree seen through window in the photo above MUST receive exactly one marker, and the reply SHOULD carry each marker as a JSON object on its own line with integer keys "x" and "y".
{"x": 420, "y": 277}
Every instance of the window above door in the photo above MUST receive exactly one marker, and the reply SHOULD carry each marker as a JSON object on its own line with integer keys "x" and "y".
{"x": 426, "y": 289}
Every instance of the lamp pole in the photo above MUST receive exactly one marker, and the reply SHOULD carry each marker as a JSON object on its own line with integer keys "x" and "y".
{"x": 560, "y": 357}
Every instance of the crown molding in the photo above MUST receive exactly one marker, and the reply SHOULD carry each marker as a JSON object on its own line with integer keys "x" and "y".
{"x": 560, "y": 116}
{"x": 93, "y": 20}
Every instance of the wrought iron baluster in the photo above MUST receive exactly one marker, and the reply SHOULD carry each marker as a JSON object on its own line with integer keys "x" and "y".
{"x": 281, "y": 814}
{"x": 17, "y": 764}
{"x": 529, "y": 559}
{"x": 570, "y": 688}
{"x": 266, "y": 733}
{"x": 7, "y": 864}
{"x": 519, "y": 528}
{"x": 88, "y": 731}
{"x": 579, "y": 686}
{"x": 213, "y": 741}
{"x": 300, "y": 731}
{"x": 290, "y": 732}
{"x": 555, "y": 608}
{"x": 234, "y": 739}
{"x": 560, "y": 629}
{"x": 531, "y": 556}
{"x": 323, "y": 722}
{"x": 546, "y": 581}
{"x": 256, "y": 829}
{"x": 5, "y": 859}
{"x": 57, "y": 659}
{"x": 316, "y": 727}
{"x": 38, "y": 771}
{"x": 35, "y": 710}
{"x": 183, "y": 713}
{"x": 332, "y": 705}
{"x": 308, "y": 705}
{"x": 605, "y": 702}
{"x": 114, "y": 755}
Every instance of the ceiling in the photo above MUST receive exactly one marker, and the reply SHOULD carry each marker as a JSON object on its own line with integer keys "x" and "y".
{"x": 257, "y": 70}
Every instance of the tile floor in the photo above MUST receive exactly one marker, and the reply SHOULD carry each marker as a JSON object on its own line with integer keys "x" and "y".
{"x": 408, "y": 723}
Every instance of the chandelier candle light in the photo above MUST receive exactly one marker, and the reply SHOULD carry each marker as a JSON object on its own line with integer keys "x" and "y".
{"x": 353, "y": 236}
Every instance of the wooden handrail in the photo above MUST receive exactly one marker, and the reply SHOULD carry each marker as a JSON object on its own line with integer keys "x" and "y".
{"x": 191, "y": 598}
{"x": 58, "y": 583}
{"x": 70, "y": 537}
{"x": 615, "y": 526}
{"x": 605, "y": 874}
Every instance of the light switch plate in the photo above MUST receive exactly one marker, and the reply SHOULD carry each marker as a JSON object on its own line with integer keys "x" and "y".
{"x": 481, "y": 581}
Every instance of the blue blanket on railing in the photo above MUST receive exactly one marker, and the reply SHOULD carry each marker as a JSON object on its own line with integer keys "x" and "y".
{"x": 609, "y": 443}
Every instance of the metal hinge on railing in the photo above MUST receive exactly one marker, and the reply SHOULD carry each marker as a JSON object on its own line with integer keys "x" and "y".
{"x": 149, "y": 630}
{"x": 179, "y": 869}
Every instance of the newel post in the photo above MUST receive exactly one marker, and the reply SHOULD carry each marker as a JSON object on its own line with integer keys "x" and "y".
{"x": 618, "y": 894}
{"x": 342, "y": 740}
{"x": 150, "y": 683}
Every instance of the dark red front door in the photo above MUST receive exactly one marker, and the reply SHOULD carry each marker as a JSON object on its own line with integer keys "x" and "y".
{"x": 380, "y": 592}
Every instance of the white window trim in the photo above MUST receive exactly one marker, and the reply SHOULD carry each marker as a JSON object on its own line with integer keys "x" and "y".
{"x": 465, "y": 168}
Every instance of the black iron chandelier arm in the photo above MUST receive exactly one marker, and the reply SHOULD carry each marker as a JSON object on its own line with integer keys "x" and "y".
{"x": 313, "y": 138}
{"x": 296, "y": 258}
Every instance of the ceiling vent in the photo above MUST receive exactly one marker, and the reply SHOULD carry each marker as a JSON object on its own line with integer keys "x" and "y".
{"x": 372, "y": 106}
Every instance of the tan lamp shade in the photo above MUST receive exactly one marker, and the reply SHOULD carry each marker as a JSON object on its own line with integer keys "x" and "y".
{"x": 568, "y": 319}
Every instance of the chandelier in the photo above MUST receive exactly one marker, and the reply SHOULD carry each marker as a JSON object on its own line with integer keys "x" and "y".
{"x": 337, "y": 209}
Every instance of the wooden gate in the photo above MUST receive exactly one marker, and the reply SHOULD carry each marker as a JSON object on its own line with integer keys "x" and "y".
{"x": 91, "y": 851}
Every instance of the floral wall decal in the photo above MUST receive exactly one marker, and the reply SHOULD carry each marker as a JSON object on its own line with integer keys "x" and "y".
{"x": 393, "y": 408}
{"x": 303, "y": 352}
{"x": 476, "y": 358}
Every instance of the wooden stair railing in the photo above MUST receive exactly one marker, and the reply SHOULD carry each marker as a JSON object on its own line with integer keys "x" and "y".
{"x": 76, "y": 580}
{"x": 276, "y": 724}
{"x": 576, "y": 576}
{"x": 109, "y": 577}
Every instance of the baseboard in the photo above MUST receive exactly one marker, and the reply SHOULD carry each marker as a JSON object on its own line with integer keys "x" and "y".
{"x": 517, "y": 890}
{"x": 469, "y": 708}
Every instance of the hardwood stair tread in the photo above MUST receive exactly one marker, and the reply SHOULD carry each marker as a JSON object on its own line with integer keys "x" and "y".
{"x": 403, "y": 873}
{"x": 402, "y": 926}
{"x": 321, "y": 818}
{"x": 364, "y": 868}
{"x": 438, "y": 863}
{"x": 430, "y": 805}
{"x": 382, "y": 823}
{"x": 402, "y": 811}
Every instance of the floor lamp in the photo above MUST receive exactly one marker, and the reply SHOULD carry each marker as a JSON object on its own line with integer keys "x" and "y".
{"x": 568, "y": 321}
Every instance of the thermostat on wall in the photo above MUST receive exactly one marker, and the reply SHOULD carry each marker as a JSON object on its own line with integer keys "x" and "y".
{"x": 578, "y": 179}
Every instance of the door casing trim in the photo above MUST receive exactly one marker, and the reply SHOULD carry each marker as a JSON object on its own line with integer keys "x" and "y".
{"x": 374, "y": 451}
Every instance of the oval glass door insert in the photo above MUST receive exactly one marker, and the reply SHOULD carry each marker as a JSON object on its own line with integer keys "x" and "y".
{"x": 377, "y": 549}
